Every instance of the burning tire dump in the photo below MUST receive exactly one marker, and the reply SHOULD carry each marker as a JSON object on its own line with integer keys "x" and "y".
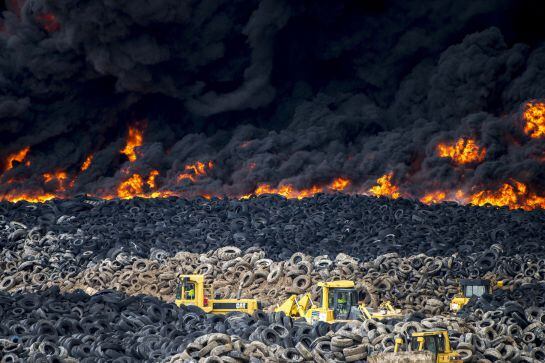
{"x": 272, "y": 181}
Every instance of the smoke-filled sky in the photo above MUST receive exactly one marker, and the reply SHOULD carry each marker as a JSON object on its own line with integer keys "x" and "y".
{"x": 276, "y": 92}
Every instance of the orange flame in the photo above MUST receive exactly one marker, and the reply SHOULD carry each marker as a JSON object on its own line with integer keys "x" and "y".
{"x": 290, "y": 192}
{"x": 58, "y": 176}
{"x": 135, "y": 139}
{"x": 385, "y": 188}
{"x": 87, "y": 163}
{"x": 286, "y": 191}
{"x": 32, "y": 197}
{"x": 151, "y": 179}
{"x": 340, "y": 184}
{"x": 19, "y": 156}
{"x": 513, "y": 195}
{"x": 534, "y": 114}
{"x": 439, "y": 196}
{"x": 434, "y": 197}
{"x": 193, "y": 171}
{"x": 132, "y": 187}
{"x": 464, "y": 151}
{"x": 305, "y": 193}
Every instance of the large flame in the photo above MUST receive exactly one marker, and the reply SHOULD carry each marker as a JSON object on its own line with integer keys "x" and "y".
{"x": 32, "y": 197}
{"x": 193, "y": 171}
{"x": 58, "y": 179}
{"x": 132, "y": 187}
{"x": 534, "y": 115}
{"x": 137, "y": 186}
{"x": 434, "y": 197}
{"x": 385, "y": 188}
{"x": 289, "y": 191}
{"x": 514, "y": 195}
{"x": 340, "y": 184}
{"x": 463, "y": 151}
{"x": 439, "y": 196}
{"x": 18, "y": 156}
{"x": 135, "y": 138}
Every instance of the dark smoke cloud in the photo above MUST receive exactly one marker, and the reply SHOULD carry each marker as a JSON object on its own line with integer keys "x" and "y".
{"x": 271, "y": 91}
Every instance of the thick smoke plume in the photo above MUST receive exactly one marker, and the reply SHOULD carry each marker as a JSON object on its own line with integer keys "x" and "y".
{"x": 229, "y": 96}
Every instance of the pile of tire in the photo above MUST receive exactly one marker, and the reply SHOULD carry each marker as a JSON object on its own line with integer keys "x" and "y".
{"x": 360, "y": 226}
{"x": 508, "y": 332}
{"x": 415, "y": 283}
{"x": 110, "y": 326}
{"x": 89, "y": 280}
{"x": 356, "y": 341}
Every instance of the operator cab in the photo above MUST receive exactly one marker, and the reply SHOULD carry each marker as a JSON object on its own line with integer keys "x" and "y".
{"x": 342, "y": 301}
{"x": 475, "y": 288}
{"x": 341, "y": 298}
{"x": 431, "y": 343}
{"x": 435, "y": 341}
{"x": 186, "y": 289}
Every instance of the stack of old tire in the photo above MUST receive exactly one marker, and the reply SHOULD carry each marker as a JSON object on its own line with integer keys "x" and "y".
{"x": 90, "y": 280}
{"x": 355, "y": 341}
{"x": 415, "y": 283}
{"x": 359, "y": 226}
{"x": 110, "y": 326}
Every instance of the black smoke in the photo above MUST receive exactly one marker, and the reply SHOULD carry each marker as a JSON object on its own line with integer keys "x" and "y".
{"x": 271, "y": 91}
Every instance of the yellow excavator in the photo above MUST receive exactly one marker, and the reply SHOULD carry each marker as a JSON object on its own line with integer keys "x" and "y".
{"x": 338, "y": 302}
{"x": 424, "y": 347}
{"x": 472, "y": 287}
{"x": 191, "y": 290}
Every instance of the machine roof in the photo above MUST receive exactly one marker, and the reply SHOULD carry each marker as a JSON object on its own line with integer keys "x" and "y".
{"x": 475, "y": 282}
{"x": 340, "y": 283}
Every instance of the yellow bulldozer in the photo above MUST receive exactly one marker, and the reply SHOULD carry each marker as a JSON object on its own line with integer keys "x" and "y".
{"x": 191, "y": 290}
{"x": 472, "y": 288}
{"x": 339, "y": 301}
{"x": 424, "y": 347}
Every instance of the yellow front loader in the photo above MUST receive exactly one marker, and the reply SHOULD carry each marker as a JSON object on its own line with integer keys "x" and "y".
{"x": 424, "y": 347}
{"x": 339, "y": 301}
{"x": 192, "y": 291}
{"x": 472, "y": 287}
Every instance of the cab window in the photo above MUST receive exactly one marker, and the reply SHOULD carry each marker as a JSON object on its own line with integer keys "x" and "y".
{"x": 353, "y": 299}
{"x": 343, "y": 298}
{"x": 189, "y": 291}
{"x": 414, "y": 344}
{"x": 440, "y": 343}
{"x": 434, "y": 344}
{"x": 430, "y": 343}
{"x": 475, "y": 291}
